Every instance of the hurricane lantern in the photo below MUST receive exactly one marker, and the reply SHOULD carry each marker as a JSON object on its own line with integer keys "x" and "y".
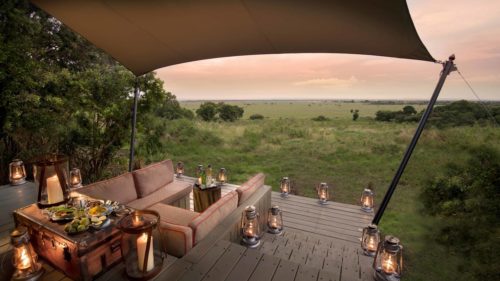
{"x": 51, "y": 177}
{"x": 141, "y": 244}
{"x": 388, "y": 262}
{"x": 24, "y": 258}
{"x": 222, "y": 176}
{"x": 179, "y": 169}
{"x": 367, "y": 200}
{"x": 323, "y": 194}
{"x": 17, "y": 172}
{"x": 370, "y": 240}
{"x": 275, "y": 220}
{"x": 250, "y": 229}
{"x": 285, "y": 187}
{"x": 75, "y": 178}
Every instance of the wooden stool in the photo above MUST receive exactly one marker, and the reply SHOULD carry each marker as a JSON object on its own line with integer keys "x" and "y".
{"x": 203, "y": 198}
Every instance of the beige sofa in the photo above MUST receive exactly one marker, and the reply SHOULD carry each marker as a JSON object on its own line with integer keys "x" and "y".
{"x": 142, "y": 188}
{"x": 183, "y": 229}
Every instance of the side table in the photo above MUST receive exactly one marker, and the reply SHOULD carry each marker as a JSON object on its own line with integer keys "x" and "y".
{"x": 203, "y": 198}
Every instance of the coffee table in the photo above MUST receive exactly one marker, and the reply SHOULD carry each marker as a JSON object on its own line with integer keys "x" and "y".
{"x": 81, "y": 256}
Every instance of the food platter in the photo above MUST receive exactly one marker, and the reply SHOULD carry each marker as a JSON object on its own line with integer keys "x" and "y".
{"x": 77, "y": 226}
{"x": 61, "y": 213}
{"x": 99, "y": 222}
{"x": 98, "y": 210}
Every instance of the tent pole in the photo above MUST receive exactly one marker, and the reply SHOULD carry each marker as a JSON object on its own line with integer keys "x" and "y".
{"x": 134, "y": 121}
{"x": 448, "y": 66}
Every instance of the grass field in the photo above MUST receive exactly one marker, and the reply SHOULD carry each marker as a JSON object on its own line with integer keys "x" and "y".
{"x": 344, "y": 153}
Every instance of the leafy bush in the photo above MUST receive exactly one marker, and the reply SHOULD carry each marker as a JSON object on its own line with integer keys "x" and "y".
{"x": 355, "y": 114}
{"x": 256, "y": 117}
{"x": 466, "y": 198}
{"x": 385, "y": 115}
{"x": 461, "y": 113}
{"x": 320, "y": 118}
{"x": 229, "y": 113}
{"x": 207, "y": 111}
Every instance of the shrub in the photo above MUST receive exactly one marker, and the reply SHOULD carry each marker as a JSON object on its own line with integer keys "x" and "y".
{"x": 385, "y": 115}
{"x": 256, "y": 117}
{"x": 229, "y": 113}
{"x": 207, "y": 111}
{"x": 466, "y": 199}
{"x": 320, "y": 118}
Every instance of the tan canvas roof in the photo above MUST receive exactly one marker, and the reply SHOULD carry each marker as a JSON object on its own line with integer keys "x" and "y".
{"x": 145, "y": 35}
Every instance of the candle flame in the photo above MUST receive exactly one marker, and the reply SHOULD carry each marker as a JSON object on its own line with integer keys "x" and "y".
{"x": 388, "y": 263}
{"x": 24, "y": 258}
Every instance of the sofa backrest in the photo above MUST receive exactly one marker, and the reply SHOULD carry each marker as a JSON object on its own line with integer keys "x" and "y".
{"x": 213, "y": 215}
{"x": 249, "y": 187}
{"x": 120, "y": 188}
{"x": 153, "y": 177}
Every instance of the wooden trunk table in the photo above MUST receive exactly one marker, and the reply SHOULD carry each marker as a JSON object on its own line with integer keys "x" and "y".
{"x": 203, "y": 198}
{"x": 83, "y": 256}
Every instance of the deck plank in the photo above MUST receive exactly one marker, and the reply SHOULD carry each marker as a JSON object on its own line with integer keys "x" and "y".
{"x": 245, "y": 267}
{"x": 306, "y": 273}
{"x": 286, "y": 271}
{"x": 225, "y": 263}
{"x": 265, "y": 269}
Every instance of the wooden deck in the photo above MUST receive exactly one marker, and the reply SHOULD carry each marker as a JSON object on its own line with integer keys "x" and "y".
{"x": 321, "y": 243}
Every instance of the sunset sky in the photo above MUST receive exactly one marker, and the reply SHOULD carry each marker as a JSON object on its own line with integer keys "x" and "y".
{"x": 469, "y": 29}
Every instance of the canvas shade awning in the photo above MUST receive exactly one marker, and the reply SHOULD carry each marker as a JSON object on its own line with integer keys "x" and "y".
{"x": 144, "y": 35}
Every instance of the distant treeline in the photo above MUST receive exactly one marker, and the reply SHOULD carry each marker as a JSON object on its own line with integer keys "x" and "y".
{"x": 459, "y": 113}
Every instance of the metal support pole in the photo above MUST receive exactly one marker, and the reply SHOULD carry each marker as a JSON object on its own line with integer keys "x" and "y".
{"x": 134, "y": 121}
{"x": 448, "y": 67}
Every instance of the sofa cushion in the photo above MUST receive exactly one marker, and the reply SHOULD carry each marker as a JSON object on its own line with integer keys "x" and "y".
{"x": 211, "y": 217}
{"x": 177, "y": 236}
{"x": 120, "y": 188}
{"x": 153, "y": 177}
{"x": 167, "y": 194}
{"x": 249, "y": 187}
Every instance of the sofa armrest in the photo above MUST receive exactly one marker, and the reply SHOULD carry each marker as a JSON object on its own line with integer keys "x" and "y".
{"x": 177, "y": 239}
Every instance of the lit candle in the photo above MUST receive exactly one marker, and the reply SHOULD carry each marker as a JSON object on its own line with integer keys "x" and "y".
{"x": 250, "y": 229}
{"x": 372, "y": 246}
{"x": 75, "y": 180}
{"x": 16, "y": 175}
{"x": 366, "y": 203}
{"x": 136, "y": 221}
{"x": 25, "y": 261}
{"x": 141, "y": 252}
{"x": 54, "y": 190}
{"x": 274, "y": 222}
{"x": 388, "y": 263}
{"x": 323, "y": 194}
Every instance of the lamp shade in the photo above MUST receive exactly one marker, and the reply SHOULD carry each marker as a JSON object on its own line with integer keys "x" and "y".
{"x": 388, "y": 262}
{"x": 370, "y": 240}
{"x": 75, "y": 178}
{"x": 275, "y": 220}
{"x": 367, "y": 200}
{"x": 250, "y": 228}
{"x": 51, "y": 177}
{"x": 323, "y": 193}
{"x": 179, "y": 169}
{"x": 285, "y": 186}
{"x": 222, "y": 176}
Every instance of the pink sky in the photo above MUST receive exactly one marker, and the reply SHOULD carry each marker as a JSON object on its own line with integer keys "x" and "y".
{"x": 470, "y": 29}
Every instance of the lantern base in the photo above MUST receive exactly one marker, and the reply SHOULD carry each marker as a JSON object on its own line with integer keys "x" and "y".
{"x": 76, "y": 186}
{"x": 178, "y": 175}
{"x": 381, "y": 276}
{"x": 250, "y": 243}
{"x": 275, "y": 231}
{"x": 284, "y": 194}
{"x": 30, "y": 277}
{"x": 18, "y": 182}
{"x": 133, "y": 273}
{"x": 367, "y": 210}
{"x": 43, "y": 205}
{"x": 369, "y": 253}
{"x": 323, "y": 202}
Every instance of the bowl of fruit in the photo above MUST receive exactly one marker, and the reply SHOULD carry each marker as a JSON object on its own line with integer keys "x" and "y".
{"x": 98, "y": 222}
{"x": 77, "y": 226}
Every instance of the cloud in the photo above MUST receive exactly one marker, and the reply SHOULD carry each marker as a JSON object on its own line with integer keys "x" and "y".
{"x": 328, "y": 82}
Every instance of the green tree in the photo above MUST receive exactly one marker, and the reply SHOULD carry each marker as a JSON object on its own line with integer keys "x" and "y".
{"x": 355, "y": 114}
{"x": 466, "y": 199}
{"x": 229, "y": 113}
{"x": 409, "y": 110}
{"x": 207, "y": 111}
{"x": 256, "y": 117}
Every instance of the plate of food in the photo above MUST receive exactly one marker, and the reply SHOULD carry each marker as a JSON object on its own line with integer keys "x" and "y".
{"x": 77, "y": 226}
{"x": 62, "y": 213}
{"x": 99, "y": 222}
{"x": 99, "y": 210}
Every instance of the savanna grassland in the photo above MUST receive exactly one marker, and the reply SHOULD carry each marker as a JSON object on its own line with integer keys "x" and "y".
{"x": 344, "y": 153}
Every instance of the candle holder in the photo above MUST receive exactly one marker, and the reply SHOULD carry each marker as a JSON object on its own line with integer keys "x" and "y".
{"x": 367, "y": 200}
{"x": 75, "y": 178}
{"x": 250, "y": 228}
{"x": 275, "y": 220}
{"x": 285, "y": 187}
{"x": 199, "y": 175}
{"x": 323, "y": 193}
{"x": 179, "y": 169}
{"x": 222, "y": 176}
{"x": 388, "y": 262}
{"x": 142, "y": 244}
{"x": 370, "y": 240}
{"x": 51, "y": 177}
{"x": 17, "y": 172}
{"x": 25, "y": 260}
